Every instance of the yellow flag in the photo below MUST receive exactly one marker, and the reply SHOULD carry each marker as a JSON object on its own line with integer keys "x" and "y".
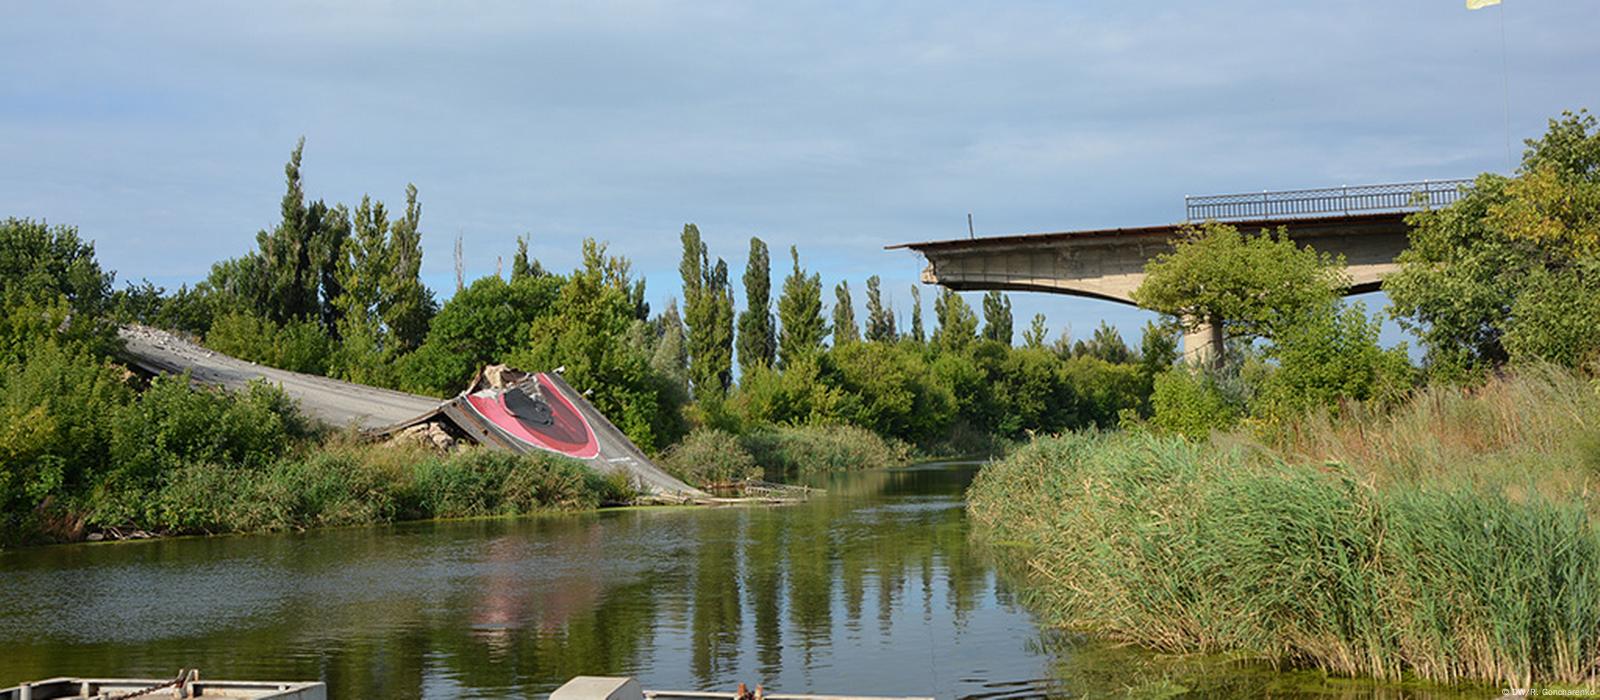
{"x": 1480, "y": 4}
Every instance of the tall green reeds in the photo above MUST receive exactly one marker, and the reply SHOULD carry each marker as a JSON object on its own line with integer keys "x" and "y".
{"x": 1389, "y": 563}
{"x": 349, "y": 484}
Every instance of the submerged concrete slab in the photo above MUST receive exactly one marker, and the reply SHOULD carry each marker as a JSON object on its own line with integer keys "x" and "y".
{"x": 599, "y": 688}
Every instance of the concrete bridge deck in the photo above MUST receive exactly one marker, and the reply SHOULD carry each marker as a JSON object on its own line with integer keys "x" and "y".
{"x": 1109, "y": 264}
{"x": 1365, "y": 224}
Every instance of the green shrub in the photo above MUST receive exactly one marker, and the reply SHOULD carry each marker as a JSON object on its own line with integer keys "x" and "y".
{"x": 708, "y": 456}
{"x": 480, "y": 325}
{"x": 1332, "y": 358}
{"x": 56, "y": 405}
{"x": 1189, "y": 403}
{"x": 788, "y": 451}
{"x": 297, "y": 346}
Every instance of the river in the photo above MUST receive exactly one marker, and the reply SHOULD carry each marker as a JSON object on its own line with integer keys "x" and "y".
{"x": 873, "y": 588}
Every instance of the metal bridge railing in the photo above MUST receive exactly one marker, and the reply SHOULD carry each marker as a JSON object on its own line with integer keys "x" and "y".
{"x": 1405, "y": 196}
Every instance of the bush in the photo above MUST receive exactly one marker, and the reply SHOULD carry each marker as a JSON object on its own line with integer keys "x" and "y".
{"x": 480, "y": 325}
{"x": 1332, "y": 358}
{"x": 351, "y": 484}
{"x": 708, "y": 456}
{"x": 297, "y": 346}
{"x": 56, "y": 406}
{"x": 791, "y": 451}
{"x": 1189, "y": 402}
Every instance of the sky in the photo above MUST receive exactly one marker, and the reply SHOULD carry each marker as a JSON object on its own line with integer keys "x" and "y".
{"x": 160, "y": 130}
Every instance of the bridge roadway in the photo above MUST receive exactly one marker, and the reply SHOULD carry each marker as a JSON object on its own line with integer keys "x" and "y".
{"x": 1108, "y": 264}
{"x": 1365, "y": 224}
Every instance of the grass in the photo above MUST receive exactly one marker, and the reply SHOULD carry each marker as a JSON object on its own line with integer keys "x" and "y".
{"x": 709, "y": 456}
{"x": 347, "y": 483}
{"x": 1449, "y": 539}
{"x": 789, "y": 451}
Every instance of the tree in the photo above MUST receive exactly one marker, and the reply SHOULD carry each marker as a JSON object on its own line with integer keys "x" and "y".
{"x": 363, "y": 267}
{"x": 586, "y": 331}
{"x": 1105, "y": 344}
{"x": 880, "y": 319}
{"x": 328, "y": 248}
{"x": 801, "y": 327}
{"x": 1243, "y": 286}
{"x": 916, "y": 314}
{"x": 524, "y": 265}
{"x": 670, "y": 358}
{"x": 482, "y": 324}
{"x": 50, "y": 285}
{"x": 286, "y": 250}
{"x": 758, "y": 339}
{"x": 708, "y": 313}
{"x": 407, "y": 304}
{"x": 1158, "y": 349}
{"x": 958, "y": 325}
{"x": 1331, "y": 357}
{"x": 997, "y": 317}
{"x": 1034, "y": 336}
{"x": 844, "y": 316}
{"x": 1508, "y": 270}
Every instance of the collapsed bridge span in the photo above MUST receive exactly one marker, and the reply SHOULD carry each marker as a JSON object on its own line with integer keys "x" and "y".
{"x": 503, "y": 409}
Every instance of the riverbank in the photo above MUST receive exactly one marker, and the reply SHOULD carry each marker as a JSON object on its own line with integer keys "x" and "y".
{"x": 346, "y": 483}
{"x": 1453, "y": 538}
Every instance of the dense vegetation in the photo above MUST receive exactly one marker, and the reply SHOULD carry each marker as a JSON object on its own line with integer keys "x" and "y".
{"x": 333, "y": 289}
{"x": 1449, "y": 539}
{"x": 1311, "y": 498}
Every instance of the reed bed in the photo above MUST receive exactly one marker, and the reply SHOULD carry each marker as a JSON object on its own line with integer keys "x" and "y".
{"x": 1355, "y": 546}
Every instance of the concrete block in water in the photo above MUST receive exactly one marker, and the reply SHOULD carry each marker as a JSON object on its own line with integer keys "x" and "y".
{"x": 599, "y": 688}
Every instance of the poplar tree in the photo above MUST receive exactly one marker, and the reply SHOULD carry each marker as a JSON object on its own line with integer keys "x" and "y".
{"x": 844, "y": 316}
{"x": 362, "y": 267}
{"x": 524, "y": 265}
{"x": 916, "y": 314}
{"x": 880, "y": 319}
{"x": 1034, "y": 336}
{"x": 286, "y": 251}
{"x": 997, "y": 317}
{"x": 671, "y": 356}
{"x": 407, "y": 306}
{"x": 328, "y": 252}
{"x": 958, "y": 325}
{"x": 708, "y": 313}
{"x": 758, "y": 340}
{"x": 800, "y": 314}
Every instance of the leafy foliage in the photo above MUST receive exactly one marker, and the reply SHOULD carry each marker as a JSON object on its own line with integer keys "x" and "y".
{"x": 997, "y": 323}
{"x": 880, "y": 318}
{"x": 800, "y": 314}
{"x": 708, "y": 314}
{"x": 482, "y": 324}
{"x": 1512, "y": 264}
{"x": 1249, "y": 286}
{"x": 958, "y": 325}
{"x": 758, "y": 338}
{"x": 845, "y": 330}
{"x": 1330, "y": 358}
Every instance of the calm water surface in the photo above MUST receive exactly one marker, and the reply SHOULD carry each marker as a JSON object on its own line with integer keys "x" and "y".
{"x": 874, "y": 588}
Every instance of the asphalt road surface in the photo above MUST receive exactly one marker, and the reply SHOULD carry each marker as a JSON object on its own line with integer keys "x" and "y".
{"x": 336, "y": 403}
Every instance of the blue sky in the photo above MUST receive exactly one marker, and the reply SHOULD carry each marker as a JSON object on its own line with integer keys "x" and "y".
{"x": 160, "y": 129}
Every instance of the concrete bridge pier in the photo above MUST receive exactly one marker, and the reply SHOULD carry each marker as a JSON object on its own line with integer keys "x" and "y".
{"x": 1201, "y": 346}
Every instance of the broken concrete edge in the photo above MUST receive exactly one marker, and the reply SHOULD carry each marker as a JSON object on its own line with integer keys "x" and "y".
{"x": 465, "y": 422}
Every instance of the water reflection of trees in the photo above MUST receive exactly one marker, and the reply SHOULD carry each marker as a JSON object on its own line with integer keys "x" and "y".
{"x": 501, "y": 608}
